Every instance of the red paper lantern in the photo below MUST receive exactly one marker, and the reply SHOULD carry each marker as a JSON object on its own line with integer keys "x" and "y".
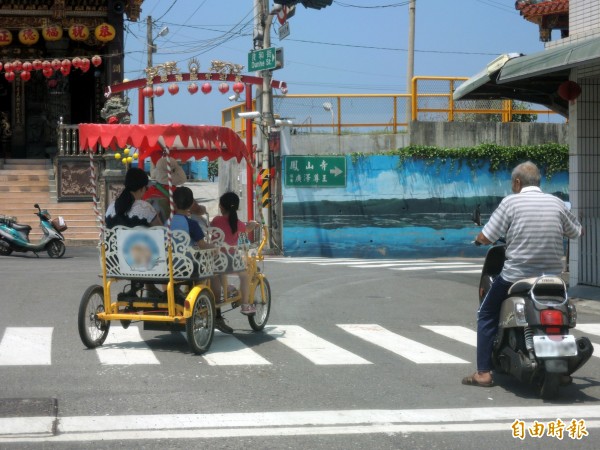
{"x": 192, "y": 88}
{"x": 65, "y": 70}
{"x": 25, "y": 75}
{"x": 8, "y": 67}
{"x": 52, "y": 83}
{"x": 223, "y": 88}
{"x": 85, "y": 65}
{"x": 37, "y": 64}
{"x": 48, "y": 72}
{"x": 158, "y": 91}
{"x": 148, "y": 92}
{"x": 173, "y": 88}
{"x": 27, "y": 66}
{"x": 65, "y": 63}
{"x": 10, "y": 76}
{"x": 569, "y": 90}
{"x": 206, "y": 88}
{"x": 46, "y": 65}
{"x": 0, "y": 66}
{"x": 96, "y": 60}
{"x": 56, "y": 65}
{"x": 17, "y": 66}
{"x": 76, "y": 62}
{"x": 238, "y": 87}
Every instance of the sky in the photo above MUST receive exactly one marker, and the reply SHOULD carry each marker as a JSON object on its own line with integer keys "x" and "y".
{"x": 350, "y": 47}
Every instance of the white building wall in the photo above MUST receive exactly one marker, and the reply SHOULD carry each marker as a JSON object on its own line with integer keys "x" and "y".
{"x": 584, "y": 22}
{"x": 584, "y": 181}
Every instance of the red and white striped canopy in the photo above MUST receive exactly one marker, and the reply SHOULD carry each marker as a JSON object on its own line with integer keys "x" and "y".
{"x": 183, "y": 141}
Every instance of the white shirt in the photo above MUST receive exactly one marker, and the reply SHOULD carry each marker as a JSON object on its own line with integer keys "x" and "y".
{"x": 534, "y": 225}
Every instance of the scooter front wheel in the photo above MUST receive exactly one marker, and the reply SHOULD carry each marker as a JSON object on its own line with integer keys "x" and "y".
{"x": 56, "y": 249}
{"x": 5, "y": 251}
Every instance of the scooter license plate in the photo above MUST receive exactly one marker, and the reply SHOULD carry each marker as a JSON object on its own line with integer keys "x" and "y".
{"x": 554, "y": 346}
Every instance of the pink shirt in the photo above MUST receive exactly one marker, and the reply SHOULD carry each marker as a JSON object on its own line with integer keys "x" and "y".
{"x": 222, "y": 222}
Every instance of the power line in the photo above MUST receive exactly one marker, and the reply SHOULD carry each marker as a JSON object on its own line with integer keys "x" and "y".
{"x": 168, "y": 9}
{"x": 391, "y": 48}
{"x": 392, "y": 5}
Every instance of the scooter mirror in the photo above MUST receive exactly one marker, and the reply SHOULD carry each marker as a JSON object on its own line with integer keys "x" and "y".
{"x": 36, "y": 206}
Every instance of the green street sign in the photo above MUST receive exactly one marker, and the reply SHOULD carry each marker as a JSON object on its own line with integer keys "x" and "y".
{"x": 315, "y": 171}
{"x": 264, "y": 59}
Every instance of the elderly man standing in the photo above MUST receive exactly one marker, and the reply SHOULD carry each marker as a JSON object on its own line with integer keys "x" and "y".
{"x": 534, "y": 225}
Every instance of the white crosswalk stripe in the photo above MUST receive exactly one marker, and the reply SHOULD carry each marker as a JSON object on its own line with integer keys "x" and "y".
{"x": 26, "y": 346}
{"x": 32, "y": 346}
{"x": 407, "y": 348}
{"x": 312, "y": 347}
{"x": 125, "y": 347}
{"x": 460, "y": 334}
{"x": 456, "y": 267}
{"x": 228, "y": 351}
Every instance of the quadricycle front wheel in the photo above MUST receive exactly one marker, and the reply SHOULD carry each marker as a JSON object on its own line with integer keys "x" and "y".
{"x": 262, "y": 302}
{"x": 92, "y": 331}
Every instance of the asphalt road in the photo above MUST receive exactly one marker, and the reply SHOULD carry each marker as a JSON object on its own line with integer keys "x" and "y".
{"x": 319, "y": 377}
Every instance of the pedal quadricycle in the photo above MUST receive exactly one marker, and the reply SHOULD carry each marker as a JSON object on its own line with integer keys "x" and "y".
{"x": 167, "y": 282}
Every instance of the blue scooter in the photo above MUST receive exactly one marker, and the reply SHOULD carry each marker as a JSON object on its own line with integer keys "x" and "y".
{"x": 15, "y": 236}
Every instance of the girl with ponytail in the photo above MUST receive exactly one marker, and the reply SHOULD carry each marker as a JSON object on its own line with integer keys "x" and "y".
{"x": 129, "y": 209}
{"x": 231, "y": 226}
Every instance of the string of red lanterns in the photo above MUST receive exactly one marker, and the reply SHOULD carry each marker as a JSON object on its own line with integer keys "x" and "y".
{"x": 48, "y": 68}
{"x": 24, "y": 69}
{"x": 206, "y": 88}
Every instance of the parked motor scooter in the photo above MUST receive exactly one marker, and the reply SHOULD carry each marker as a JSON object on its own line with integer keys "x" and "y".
{"x": 533, "y": 343}
{"x": 15, "y": 236}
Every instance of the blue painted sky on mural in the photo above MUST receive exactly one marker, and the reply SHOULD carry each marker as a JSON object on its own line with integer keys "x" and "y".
{"x": 380, "y": 177}
{"x": 339, "y": 49}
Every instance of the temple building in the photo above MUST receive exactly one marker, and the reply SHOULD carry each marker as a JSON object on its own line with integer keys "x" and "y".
{"x": 549, "y": 15}
{"x": 56, "y": 58}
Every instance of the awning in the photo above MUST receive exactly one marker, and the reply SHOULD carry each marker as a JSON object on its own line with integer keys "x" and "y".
{"x": 477, "y": 86}
{"x": 553, "y": 60}
{"x": 534, "y": 78}
{"x": 184, "y": 141}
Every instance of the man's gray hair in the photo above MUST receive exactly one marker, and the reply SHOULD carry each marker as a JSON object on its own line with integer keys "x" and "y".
{"x": 528, "y": 173}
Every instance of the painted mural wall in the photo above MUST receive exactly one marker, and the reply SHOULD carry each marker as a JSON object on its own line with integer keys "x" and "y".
{"x": 394, "y": 209}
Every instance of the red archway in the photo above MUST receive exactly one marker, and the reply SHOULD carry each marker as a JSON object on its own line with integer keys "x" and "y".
{"x": 247, "y": 80}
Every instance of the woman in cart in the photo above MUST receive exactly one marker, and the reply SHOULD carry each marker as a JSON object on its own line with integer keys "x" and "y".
{"x": 231, "y": 226}
{"x": 129, "y": 209}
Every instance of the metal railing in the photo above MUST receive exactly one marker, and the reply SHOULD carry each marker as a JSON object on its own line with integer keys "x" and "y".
{"x": 389, "y": 113}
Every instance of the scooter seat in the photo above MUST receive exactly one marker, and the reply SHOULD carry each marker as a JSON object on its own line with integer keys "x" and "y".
{"x": 525, "y": 285}
{"x": 21, "y": 227}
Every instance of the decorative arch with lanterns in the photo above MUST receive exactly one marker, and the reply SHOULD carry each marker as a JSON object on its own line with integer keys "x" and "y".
{"x": 224, "y": 73}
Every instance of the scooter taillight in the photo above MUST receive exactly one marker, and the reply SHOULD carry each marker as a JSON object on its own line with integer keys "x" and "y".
{"x": 552, "y": 320}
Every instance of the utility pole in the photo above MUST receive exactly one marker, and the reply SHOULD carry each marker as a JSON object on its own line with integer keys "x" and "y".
{"x": 410, "y": 67}
{"x": 150, "y": 50}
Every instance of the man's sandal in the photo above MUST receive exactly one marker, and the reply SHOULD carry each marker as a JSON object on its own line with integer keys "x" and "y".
{"x": 471, "y": 381}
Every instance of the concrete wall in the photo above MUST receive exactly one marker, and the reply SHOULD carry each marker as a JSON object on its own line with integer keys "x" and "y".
{"x": 324, "y": 144}
{"x": 469, "y": 134}
{"x": 440, "y": 134}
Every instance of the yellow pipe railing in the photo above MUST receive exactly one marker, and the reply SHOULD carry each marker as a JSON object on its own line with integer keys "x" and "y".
{"x": 345, "y": 108}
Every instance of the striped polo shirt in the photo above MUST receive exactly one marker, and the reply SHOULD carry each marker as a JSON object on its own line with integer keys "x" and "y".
{"x": 534, "y": 225}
